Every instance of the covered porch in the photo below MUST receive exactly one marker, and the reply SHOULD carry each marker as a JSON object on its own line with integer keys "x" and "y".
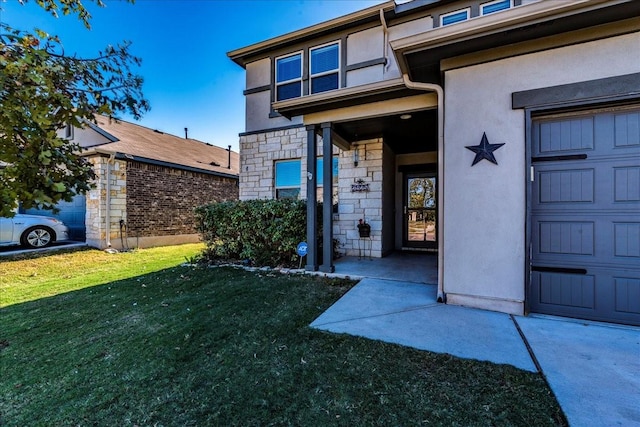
{"x": 414, "y": 267}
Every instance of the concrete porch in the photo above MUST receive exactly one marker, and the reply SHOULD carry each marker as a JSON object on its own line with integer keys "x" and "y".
{"x": 414, "y": 267}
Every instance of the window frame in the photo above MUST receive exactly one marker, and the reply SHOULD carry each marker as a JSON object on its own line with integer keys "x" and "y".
{"x": 489, "y": 3}
{"x": 286, "y": 187}
{"x": 68, "y": 132}
{"x": 335, "y": 71}
{"x": 285, "y": 82}
{"x": 320, "y": 171}
{"x": 466, "y": 10}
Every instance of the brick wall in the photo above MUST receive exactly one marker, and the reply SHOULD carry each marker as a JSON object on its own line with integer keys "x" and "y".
{"x": 160, "y": 200}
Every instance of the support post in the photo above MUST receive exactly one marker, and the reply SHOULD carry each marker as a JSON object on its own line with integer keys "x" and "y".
{"x": 312, "y": 211}
{"x": 327, "y": 200}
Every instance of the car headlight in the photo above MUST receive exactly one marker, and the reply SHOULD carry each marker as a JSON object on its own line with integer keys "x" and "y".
{"x": 55, "y": 221}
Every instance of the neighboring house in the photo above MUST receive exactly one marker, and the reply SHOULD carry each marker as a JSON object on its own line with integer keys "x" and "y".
{"x": 541, "y": 215}
{"x": 148, "y": 184}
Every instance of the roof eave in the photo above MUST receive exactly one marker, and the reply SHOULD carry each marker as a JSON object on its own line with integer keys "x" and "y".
{"x": 124, "y": 156}
{"x": 240, "y": 56}
{"x": 351, "y": 95}
{"x": 522, "y": 15}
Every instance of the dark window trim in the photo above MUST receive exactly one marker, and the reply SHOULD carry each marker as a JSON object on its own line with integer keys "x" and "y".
{"x": 256, "y": 90}
{"x": 343, "y": 62}
{"x": 256, "y": 132}
{"x": 342, "y": 76}
{"x": 365, "y": 64}
{"x": 591, "y": 91}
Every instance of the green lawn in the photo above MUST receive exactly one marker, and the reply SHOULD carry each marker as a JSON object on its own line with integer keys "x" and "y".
{"x": 169, "y": 345}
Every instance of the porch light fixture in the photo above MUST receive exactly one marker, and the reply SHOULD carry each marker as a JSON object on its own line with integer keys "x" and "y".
{"x": 405, "y": 116}
{"x": 356, "y": 155}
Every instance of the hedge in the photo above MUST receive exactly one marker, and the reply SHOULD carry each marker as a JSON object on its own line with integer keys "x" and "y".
{"x": 259, "y": 232}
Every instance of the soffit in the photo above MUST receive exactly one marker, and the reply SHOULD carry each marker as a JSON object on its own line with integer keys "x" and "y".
{"x": 417, "y": 134}
{"x": 346, "y": 97}
{"x": 420, "y": 55}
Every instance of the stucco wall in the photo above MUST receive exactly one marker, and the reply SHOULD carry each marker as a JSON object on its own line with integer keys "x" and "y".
{"x": 484, "y": 210}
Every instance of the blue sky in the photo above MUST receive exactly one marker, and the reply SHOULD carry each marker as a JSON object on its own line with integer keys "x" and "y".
{"x": 189, "y": 80}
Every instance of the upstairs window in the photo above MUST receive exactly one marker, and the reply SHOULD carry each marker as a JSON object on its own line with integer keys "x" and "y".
{"x": 289, "y": 77}
{"x": 324, "y": 63}
{"x": 455, "y": 17}
{"x": 495, "y": 6}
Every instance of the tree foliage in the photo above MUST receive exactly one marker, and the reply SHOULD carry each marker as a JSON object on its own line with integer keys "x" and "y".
{"x": 42, "y": 90}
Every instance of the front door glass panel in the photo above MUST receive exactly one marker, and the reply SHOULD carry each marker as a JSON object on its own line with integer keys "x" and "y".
{"x": 420, "y": 211}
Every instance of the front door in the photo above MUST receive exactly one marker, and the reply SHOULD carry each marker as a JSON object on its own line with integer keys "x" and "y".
{"x": 420, "y": 211}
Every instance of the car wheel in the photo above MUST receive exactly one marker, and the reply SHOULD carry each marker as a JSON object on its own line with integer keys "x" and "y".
{"x": 37, "y": 237}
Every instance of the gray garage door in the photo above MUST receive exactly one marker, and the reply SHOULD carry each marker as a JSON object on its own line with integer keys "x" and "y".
{"x": 585, "y": 217}
{"x": 71, "y": 213}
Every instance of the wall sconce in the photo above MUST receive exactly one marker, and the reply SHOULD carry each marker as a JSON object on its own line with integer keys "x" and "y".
{"x": 356, "y": 155}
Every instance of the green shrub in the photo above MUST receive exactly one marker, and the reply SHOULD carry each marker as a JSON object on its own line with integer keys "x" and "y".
{"x": 263, "y": 232}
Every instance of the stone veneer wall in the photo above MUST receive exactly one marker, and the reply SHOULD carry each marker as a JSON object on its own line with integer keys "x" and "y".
{"x": 355, "y": 206}
{"x": 160, "y": 200}
{"x": 97, "y": 201}
{"x": 258, "y": 153}
{"x": 154, "y": 201}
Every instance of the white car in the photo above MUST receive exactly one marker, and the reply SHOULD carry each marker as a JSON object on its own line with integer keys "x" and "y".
{"x": 32, "y": 231}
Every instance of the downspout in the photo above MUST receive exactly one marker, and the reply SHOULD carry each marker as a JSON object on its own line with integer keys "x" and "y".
{"x": 108, "y": 200}
{"x": 385, "y": 45}
{"x": 430, "y": 87}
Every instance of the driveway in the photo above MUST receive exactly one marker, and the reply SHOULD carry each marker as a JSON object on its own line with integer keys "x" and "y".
{"x": 6, "y": 251}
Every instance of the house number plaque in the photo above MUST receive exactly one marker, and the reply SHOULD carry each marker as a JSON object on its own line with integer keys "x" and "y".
{"x": 360, "y": 186}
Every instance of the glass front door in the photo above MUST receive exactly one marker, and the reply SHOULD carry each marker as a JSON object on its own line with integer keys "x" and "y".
{"x": 420, "y": 211}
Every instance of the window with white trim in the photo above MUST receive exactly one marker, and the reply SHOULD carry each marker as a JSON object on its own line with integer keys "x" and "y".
{"x": 324, "y": 66}
{"x": 455, "y": 17}
{"x": 289, "y": 76}
{"x": 495, "y": 6}
{"x": 287, "y": 177}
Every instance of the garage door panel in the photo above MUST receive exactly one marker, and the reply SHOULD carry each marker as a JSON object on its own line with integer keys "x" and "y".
{"x": 626, "y": 236}
{"x": 627, "y": 294}
{"x": 627, "y": 129}
{"x": 574, "y": 241}
{"x": 560, "y": 136}
{"x": 602, "y": 294}
{"x": 567, "y": 289}
{"x": 566, "y": 185}
{"x": 626, "y": 183}
{"x": 586, "y": 185}
{"x": 566, "y": 237}
{"x": 585, "y": 216}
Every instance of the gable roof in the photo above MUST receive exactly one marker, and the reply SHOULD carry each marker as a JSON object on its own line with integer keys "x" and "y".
{"x": 134, "y": 142}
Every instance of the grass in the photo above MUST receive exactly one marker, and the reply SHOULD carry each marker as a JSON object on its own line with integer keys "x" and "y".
{"x": 33, "y": 276}
{"x": 186, "y": 346}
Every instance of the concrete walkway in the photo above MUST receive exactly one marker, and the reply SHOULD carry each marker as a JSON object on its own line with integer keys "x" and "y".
{"x": 593, "y": 368}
